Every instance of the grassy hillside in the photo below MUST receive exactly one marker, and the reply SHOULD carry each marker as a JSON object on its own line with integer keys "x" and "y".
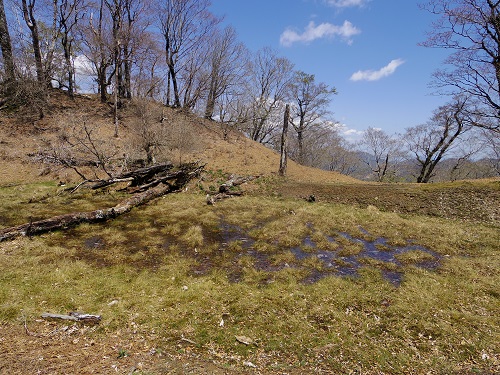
{"x": 366, "y": 279}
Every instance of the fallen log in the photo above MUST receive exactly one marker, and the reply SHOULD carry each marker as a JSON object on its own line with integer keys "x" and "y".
{"x": 74, "y": 316}
{"x": 225, "y": 189}
{"x": 139, "y": 176}
{"x": 235, "y": 181}
{"x": 177, "y": 181}
{"x": 211, "y": 199}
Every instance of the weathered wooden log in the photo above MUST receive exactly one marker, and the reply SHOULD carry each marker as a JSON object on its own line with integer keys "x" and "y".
{"x": 235, "y": 181}
{"x": 74, "y": 316}
{"x": 139, "y": 176}
{"x": 160, "y": 180}
{"x": 211, "y": 199}
{"x": 180, "y": 179}
{"x": 225, "y": 189}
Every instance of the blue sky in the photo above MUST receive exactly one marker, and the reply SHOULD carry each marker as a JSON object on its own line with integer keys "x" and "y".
{"x": 366, "y": 49}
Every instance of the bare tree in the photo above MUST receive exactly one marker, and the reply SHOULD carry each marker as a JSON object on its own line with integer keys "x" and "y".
{"x": 226, "y": 67}
{"x": 148, "y": 78}
{"x": 70, "y": 13}
{"x": 149, "y": 129}
{"x": 28, "y": 9}
{"x": 471, "y": 29}
{"x": 115, "y": 8}
{"x": 232, "y": 111}
{"x": 96, "y": 40}
{"x": 80, "y": 147}
{"x": 430, "y": 142}
{"x": 270, "y": 77}
{"x": 29, "y": 18}
{"x": 382, "y": 152}
{"x": 184, "y": 24}
{"x": 195, "y": 74}
{"x": 310, "y": 101}
{"x": 129, "y": 22}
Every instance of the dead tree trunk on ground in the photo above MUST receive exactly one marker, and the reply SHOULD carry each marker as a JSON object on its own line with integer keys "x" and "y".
{"x": 169, "y": 183}
{"x": 225, "y": 189}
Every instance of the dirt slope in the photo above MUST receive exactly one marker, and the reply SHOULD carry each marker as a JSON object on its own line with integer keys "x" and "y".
{"x": 22, "y": 135}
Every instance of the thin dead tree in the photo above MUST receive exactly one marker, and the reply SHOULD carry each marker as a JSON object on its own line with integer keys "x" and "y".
{"x": 284, "y": 136}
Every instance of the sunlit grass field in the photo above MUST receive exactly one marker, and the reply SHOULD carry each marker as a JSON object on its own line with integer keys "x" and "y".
{"x": 317, "y": 286}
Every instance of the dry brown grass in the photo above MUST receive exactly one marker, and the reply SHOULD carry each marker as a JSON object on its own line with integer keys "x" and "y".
{"x": 237, "y": 154}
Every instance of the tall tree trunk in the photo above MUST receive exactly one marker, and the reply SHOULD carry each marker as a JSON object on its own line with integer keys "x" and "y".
{"x": 6, "y": 46}
{"x": 101, "y": 64}
{"x": 66, "y": 43}
{"x": 116, "y": 13}
{"x": 167, "y": 100}
{"x": 212, "y": 92}
{"x": 284, "y": 135}
{"x": 127, "y": 70}
{"x": 209, "y": 108}
{"x": 300, "y": 144}
{"x": 173, "y": 78}
{"x": 30, "y": 20}
{"x": 102, "y": 81}
{"x": 127, "y": 52}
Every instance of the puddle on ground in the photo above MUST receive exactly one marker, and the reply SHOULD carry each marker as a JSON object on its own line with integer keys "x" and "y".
{"x": 234, "y": 249}
{"x": 377, "y": 252}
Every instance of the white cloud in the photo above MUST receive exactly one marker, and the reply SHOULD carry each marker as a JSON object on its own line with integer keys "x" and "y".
{"x": 375, "y": 75}
{"x": 323, "y": 30}
{"x": 347, "y": 3}
{"x": 82, "y": 65}
{"x": 84, "y": 74}
{"x": 349, "y": 134}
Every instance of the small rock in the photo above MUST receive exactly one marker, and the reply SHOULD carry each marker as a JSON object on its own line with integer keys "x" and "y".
{"x": 244, "y": 340}
{"x": 249, "y": 364}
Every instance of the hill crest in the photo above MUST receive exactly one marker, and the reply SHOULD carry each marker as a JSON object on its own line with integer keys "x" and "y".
{"x": 196, "y": 139}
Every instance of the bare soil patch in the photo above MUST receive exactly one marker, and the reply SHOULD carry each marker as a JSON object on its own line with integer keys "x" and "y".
{"x": 478, "y": 201}
{"x": 56, "y": 348}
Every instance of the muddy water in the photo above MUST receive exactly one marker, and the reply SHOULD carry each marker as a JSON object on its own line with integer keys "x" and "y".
{"x": 231, "y": 248}
{"x": 379, "y": 250}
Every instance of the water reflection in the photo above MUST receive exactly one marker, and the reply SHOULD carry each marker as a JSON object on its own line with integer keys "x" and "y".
{"x": 376, "y": 252}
